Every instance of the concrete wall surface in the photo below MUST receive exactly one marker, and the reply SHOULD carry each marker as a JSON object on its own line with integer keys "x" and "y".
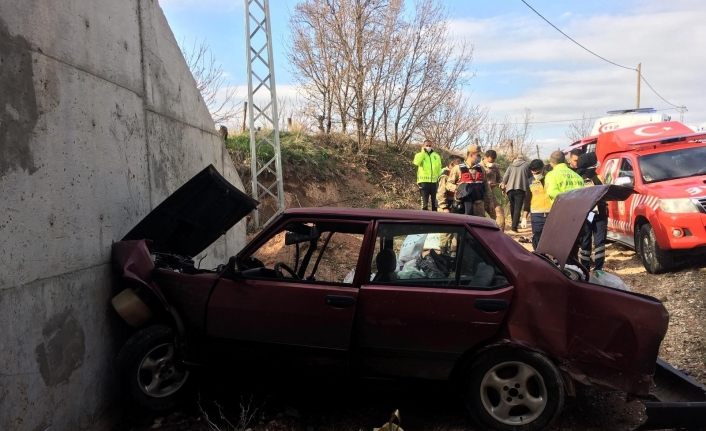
{"x": 100, "y": 120}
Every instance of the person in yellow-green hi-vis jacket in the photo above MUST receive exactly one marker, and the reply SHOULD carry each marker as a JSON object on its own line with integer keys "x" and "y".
{"x": 561, "y": 178}
{"x": 429, "y": 166}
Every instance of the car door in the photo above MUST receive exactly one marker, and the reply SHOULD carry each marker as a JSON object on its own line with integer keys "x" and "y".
{"x": 626, "y": 177}
{"x": 434, "y": 293}
{"x": 315, "y": 310}
{"x": 616, "y": 210}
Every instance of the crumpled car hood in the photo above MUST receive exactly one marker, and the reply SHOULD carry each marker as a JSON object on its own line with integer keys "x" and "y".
{"x": 568, "y": 214}
{"x": 194, "y": 216}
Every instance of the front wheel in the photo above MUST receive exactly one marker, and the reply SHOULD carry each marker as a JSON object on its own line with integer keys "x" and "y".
{"x": 512, "y": 389}
{"x": 654, "y": 259}
{"x": 150, "y": 368}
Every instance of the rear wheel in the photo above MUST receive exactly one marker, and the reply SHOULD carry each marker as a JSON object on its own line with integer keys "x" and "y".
{"x": 654, "y": 259}
{"x": 512, "y": 389}
{"x": 151, "y": 370}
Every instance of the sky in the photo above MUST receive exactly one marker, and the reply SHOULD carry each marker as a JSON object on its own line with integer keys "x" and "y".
{"x": 519, "y": 61}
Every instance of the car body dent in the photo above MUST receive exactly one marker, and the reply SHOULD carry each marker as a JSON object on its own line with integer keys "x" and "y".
{"x": 597, "y": 334}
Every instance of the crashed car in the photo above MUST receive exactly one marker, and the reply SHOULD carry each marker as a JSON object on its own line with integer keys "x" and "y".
{"x": 394, "y": 293}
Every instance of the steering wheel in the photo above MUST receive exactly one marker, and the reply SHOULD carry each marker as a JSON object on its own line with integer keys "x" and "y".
{"x": 279, "y": 266}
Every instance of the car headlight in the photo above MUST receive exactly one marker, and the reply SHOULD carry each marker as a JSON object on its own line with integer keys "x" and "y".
{"x": 682, "y": 205}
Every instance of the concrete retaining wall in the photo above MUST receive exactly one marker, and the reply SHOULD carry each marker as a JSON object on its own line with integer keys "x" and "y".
{"x": 100, "y": 120}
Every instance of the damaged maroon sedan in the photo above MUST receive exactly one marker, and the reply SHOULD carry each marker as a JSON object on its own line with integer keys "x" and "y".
{"x": 393, "y": 293}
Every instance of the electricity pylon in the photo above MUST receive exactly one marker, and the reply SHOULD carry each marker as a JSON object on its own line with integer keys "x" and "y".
{"x": 262, "y": 113}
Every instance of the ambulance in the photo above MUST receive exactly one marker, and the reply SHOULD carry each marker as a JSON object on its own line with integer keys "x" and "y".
{"x": 664, "y": 221}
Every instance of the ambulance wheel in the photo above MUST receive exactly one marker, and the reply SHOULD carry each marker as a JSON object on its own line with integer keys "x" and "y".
{"x": 654, "y": 259}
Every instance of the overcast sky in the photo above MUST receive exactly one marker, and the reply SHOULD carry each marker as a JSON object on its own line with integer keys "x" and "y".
{"x": 520, "y": 61}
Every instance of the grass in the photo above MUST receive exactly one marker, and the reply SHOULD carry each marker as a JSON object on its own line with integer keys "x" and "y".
{"x": 302, "y": 155}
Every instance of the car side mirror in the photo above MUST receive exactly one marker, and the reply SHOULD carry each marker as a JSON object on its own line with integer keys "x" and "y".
{"x": 624, "y": 181}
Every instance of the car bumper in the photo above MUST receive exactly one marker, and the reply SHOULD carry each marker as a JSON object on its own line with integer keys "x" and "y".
{"x": 681, "y": 231}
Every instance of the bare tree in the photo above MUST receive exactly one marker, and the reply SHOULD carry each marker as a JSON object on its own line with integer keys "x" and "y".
{"x": 454, "y": 123}
{"x": 579, "y": 129}
{"x": 372, "y": 64}
{"x": 509, "y": 136}
{"x": 220, "y": 98}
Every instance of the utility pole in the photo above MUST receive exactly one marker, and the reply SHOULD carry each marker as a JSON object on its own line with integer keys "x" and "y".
{"x": 266, "y": 182}
{"x": 639, "y": 80}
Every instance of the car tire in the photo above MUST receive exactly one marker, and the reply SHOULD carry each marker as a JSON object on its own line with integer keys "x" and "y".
{"x": 150, "y": 369}
{"x": 512, "y": 389}
{"x": 654, "y": 259}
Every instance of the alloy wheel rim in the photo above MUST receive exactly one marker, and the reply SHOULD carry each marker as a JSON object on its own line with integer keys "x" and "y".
{"x": 159, "y": 375}
{"x": 513, "y": 393}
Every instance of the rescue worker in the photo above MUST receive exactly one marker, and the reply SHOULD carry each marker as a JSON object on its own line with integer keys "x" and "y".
{"x": 470, "y": 185}
{"x": 595, "y": 230}
{"x": 492, "y": 173}
{"x": 540, "y": 204}
{"x": 561, "y": 178}
{"x": 429, "y": 166}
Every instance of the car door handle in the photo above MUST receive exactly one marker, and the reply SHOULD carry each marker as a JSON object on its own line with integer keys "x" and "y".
{"x": 339, "y": 301}
{"x": 489, "y": 304}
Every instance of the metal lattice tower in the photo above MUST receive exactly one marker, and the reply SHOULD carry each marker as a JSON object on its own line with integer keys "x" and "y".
{"x": 267, "y": 183}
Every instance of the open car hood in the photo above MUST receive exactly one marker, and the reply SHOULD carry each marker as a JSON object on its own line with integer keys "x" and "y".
{"x": 195, "y": 215}
{"x": 567, "y": 215}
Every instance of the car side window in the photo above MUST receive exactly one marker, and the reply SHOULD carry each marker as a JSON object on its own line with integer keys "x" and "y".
{"x": 309, "y": 252}
{"x": 609, "y": 168}
{"x": 476, "y": 269}
{"x": 626, "y": 169}
{"x": 432, "y": 256}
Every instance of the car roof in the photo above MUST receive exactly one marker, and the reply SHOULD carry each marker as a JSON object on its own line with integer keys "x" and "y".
{"x": 390, "y": 214}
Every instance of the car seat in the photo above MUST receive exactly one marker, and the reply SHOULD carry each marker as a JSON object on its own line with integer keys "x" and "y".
{"x": 386, "y": 262}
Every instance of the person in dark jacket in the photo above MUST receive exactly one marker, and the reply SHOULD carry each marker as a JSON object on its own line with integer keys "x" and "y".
{"x": 492, "y": 173}
{"x": 516, "y": 184}
{"x": 595, "y": 230}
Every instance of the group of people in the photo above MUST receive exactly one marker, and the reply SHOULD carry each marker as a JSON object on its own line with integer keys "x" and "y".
{"x": 475, "y": 186}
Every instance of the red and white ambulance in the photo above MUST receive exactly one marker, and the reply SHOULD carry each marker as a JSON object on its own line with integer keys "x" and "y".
{"x": 665, "y": 163}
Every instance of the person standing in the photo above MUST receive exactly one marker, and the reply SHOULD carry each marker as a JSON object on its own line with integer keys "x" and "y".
{"x": 470, "y": 185}
{"x": 492, "y": 173}
{"x": 516, "y": 184}
{"x": 561, "y": 179}
{"x": 540, "y": 204}
{"x": 445, "y": 195}
{"x": 596, "y": 226}
{"x": 429, "y": 165}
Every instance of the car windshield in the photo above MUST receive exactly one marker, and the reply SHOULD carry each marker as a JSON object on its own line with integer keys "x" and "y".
{"x": 673, "y": 164}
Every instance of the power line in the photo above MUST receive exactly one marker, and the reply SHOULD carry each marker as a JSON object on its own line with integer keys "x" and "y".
{"x": 642, "y": 77}
{"x": 682, "y": 107}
